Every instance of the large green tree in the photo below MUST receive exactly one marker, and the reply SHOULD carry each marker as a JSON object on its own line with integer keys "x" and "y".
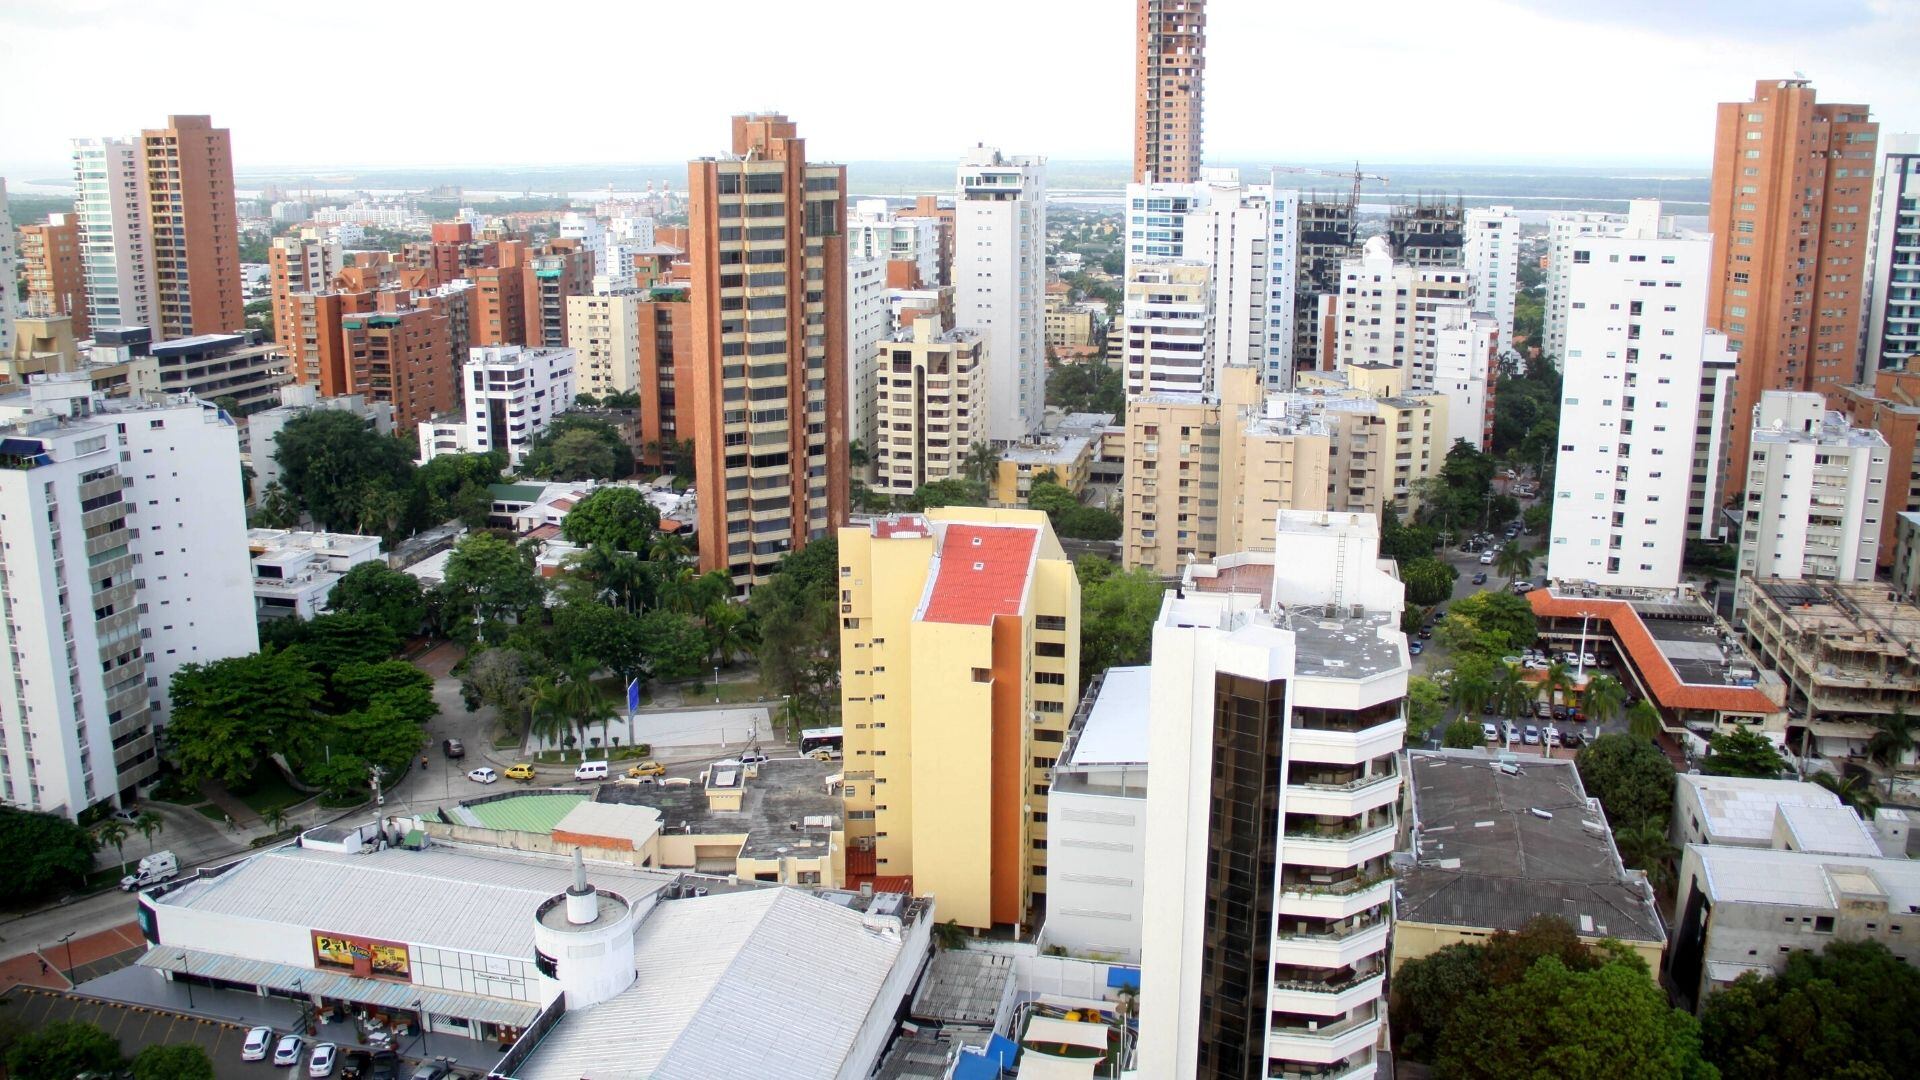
{"x": 1507, "y": 620}
{"x": 1564, "y": 1024}
{"x": 1846, "y": 1011}
{"x": 1632, "y": 779}
{"x": 938, "y": 493}
{"x": 184, "y": 1061}
{"x": 1429, "y": 580}
{"x": 334, "y": 640}
{"x": 63, "y": 1050}
{"x": 396, "y": 599}
{"x": 455, "y": 486}
{"x": 338, "y": 469}
{"x": 1426, "y": 706}
{"x": 675, "y": 645}
{"x": 229, "y": 714}
{"x": 620, "y": 517}
{"x": 1116, "y": 620}
{"x": 489, "y": 584}
{"x": 603, "y": 638}
{"x": 578, "y": 448}
{"x": 1089, "y": 387}
{"x": 795, "y": 615}
{"x": 1742, "y": 752}
{"x": 43, "y": 854}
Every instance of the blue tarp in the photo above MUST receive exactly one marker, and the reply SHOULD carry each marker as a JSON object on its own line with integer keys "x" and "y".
{"x": 989, "y": 1064}
{"x": 1123, "y": 977}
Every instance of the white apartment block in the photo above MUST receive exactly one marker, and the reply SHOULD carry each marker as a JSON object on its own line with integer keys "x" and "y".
{"x": 110, "y": 196}
{"x": 1276, "y": 682}
{"x": 1893, "y": 294}
{"x": 8, "y": 274}
{"x": 603, "y": 329}
{"x": 90, "y": 488}
{"x": 874, "y": 233}
{"x": 1282, "y": 285}
{"x": 927, "y": 397}
{"x": 1097, "y": 822}
{"x": 1712, "y": 425}
{"x": 1225, "y": 225}
{"x": 1168, "y": 332}
{"x": 1466, "y": 348}
{"x": 1492, "y": 249}
{"x": 1563, "y": 229}
{"x": 512, "y": 393}
{"x": 1000, "y": 277}
{"x": 1816, "y": 492}
{"x": 1637, "y": 345}
{"x": 264, "y": 427}
{"x": 1388, "y": 312}
{"x": 590, "y": 232}
{"x": 293, "y": 573}
{"x": 869, "y": 322}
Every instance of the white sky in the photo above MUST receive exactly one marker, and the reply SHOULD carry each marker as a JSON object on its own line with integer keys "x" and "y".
{"x": 426, "y": 82}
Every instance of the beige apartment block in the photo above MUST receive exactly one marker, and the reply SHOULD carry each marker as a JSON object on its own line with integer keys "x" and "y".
{"x": 1068, "y": 325}
{"x": 929, "y": 405}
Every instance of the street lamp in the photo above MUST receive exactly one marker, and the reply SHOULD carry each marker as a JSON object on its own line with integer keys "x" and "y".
{"x": 186, "y": 973}
{"x": 68, "y": 942}
{"x": 420, "y": 1010}
{"x": 716, "y": 684}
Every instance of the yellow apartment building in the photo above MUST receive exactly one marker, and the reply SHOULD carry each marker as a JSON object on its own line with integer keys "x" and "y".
{"x": 960, "y": 667}
{"x": 930, "y": 405}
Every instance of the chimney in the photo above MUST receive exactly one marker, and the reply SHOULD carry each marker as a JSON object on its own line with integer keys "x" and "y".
{"x": 583, "y": 904}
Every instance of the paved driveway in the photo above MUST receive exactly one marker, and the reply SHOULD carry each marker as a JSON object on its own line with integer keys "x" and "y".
{"x": 138, "y": 1027}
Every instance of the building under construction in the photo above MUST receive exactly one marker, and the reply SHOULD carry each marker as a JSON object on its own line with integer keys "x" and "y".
{"x": 1327, "y": 235}
{"x": 1849, "y": 652}
{"x": 1428, "y": 232}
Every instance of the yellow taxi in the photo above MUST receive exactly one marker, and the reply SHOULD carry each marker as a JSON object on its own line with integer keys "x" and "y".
{"x": 646, "y": 768}
{"x": 520, "y": 771}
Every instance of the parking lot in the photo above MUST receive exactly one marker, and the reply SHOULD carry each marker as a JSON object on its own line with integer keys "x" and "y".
{"x": 138, "y": 1027}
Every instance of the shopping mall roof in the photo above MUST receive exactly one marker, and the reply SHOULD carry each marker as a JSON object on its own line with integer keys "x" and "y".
{"x": 764, "y": 982}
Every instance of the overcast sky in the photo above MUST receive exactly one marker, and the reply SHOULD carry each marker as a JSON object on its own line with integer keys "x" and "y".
{"x": 422, "y": 82}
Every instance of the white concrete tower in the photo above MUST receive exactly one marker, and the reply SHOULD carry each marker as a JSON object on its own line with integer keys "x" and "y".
{"x": 1493, "y": 265}
{"x": 1000, "y": 278}
{"x": 110, "y": 196}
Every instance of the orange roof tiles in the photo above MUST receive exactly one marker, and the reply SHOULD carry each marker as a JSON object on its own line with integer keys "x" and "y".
{"x": 1662, "y": 681}
{"x": 983, "y": 573}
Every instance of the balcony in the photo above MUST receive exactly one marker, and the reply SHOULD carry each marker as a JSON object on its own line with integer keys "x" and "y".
{"x": 1341, "y": 847}
{"x": 1324, "y": 1043}
{"x": 1337, "y": 738}
{"x": 1310, "y": 943}
{"x": 1358, "y": 1067}
{"x": 1312, "y": 791}
{"x": 1335, "y": 996}
{"x": 1343, "y": 898}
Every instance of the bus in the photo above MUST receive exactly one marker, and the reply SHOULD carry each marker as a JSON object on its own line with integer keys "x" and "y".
{"x": 813, "y": 739}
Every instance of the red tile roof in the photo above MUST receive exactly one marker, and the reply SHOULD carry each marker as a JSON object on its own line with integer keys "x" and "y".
{"x": 983, "y": 573}
{"x": 1662, "y": 681}
{"x": 908, "y": 524}
{"x": 543, "y": 532}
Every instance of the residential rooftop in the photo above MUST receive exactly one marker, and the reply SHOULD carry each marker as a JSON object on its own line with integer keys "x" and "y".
{"x": 1114, "y": 731}
{"x": 1741, "y": 809}
{"x": 979, "y": 572}
{"x": 786, "y": 807}
{"x": 1053, "y": 450}
{"x": 1864, "y": 618}
{"x": 1834, "y": 430}
{"x": 1496, "y": 845}
{"x": 1806, "y": 879}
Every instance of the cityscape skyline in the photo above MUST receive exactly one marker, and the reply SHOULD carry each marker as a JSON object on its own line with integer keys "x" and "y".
{"x": 1662, "y": 84}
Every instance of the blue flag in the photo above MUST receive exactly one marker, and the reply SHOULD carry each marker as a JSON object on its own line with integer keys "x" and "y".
{"x": 633, "y": 695}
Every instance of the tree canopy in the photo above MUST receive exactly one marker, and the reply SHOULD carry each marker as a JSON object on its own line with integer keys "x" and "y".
{"x": 578, "y": 448}
{"x": 796, "y": 614}
{"x": 342, "y": 472}
{"x": 1845, "y": 1011}
{"x": 374, "y": 590}
{"x": 62, "y": 1050}
{"x": 160, "y": 1061}
{"x": 1633, "y": 780}
{"x": 1090, "y": 387}
{"x": 1742, "y": 752}
{"x": 1117, "y": 613}
{"x": 489, "y": 584}
{"x": 620, "y": 517}
{"x": 229, "y": 714}
{"x": 1429, "y": 580}
{"x": 43, "y": 853}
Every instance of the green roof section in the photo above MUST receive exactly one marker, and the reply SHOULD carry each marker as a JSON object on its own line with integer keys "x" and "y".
{"x": 525, "y": 493}
{"x": 525, "y": 813}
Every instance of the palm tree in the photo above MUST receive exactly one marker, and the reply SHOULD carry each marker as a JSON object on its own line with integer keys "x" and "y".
{"x": 1892, "y": 741}
{"x": 1514, "y": 561}
{"x": 1512, "y": 694}
{"x": 539, "y": 696}
{"x": 1643, "y": 720}
{"x": 1855, "y": 791}
{"x": 1604, "y": 699}
{"x": 1558, "y": 683}
{"x": 1471, "y": 691}
{"x": 114, "y": 833}
{"x": 579, "y": 703}
{"x": 147, "y": 824}
{"x": 981, "y": 465}
{"x": 1645, "y": 847}
{"x": 726, "y": 631}
{"x": 275, "y": 819}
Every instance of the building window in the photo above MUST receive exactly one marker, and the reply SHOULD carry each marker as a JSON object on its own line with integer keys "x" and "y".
{"x": 981, "y": 674}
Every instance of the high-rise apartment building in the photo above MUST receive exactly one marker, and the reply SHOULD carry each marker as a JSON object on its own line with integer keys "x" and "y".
{"x": 638, "y": 342}
{"x": 1169, "y": 65}
{"x": 869, "y": 322}
{"x": 1224, "y": 225}
{"x": 876, "y": 232}
{"x": 296, "y": 265}
{"x": 1466, "y": 358}
{"x": 193, "y": 228}
{"x": 91, "y": 648}
{"x": 605, "y": 330}
{"x": 1492, "y": 251}
{"x": 927, "y": 207}
{"x": 769, "y": 396}
{"x": 1277, "y": 695}
{"x": 1638, "y": 350}
{"x": 497, "y": 311}
{"x": 1789, "y": 214}
{"x": 1890, "y": 405}
{"x": 1564, "y": 228}
{"x": 960, "y": 665}
{"x": 1816, "y": 494}
{"x": 1389, "y": 312}
{"x": 400, "y": 354}
{"x": 512, "y": 394}
{"x": 235, "y": 371}
{"x": 1893, "y": 304}
{"x": 927, "y": 396}
{"x": 56, "y": 274}
{"x": 563, "y": 269}
{"x": 8, "y": 273}
{"x": 1167, "y": 328}
{"x": 1000, "y": 278}
{"x": 110, "y": 199}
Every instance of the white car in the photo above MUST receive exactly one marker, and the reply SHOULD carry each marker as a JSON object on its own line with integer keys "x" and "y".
{"x": 752, "y": 757}
{"x": 1487, "y": 557}
{"x": 289, "y": 1050}
{"x": 483, "y": 775}
{"x": 254, "y": 1048}
{"x": 1490, "y": 732}
{"x": 321, "y": 1063}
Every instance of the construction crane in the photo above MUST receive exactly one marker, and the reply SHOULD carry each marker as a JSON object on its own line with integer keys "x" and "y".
{"x": 1353, "y": 198}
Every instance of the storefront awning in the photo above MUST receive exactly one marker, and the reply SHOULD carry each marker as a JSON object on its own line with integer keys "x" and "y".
{"x": 377, "y": 993}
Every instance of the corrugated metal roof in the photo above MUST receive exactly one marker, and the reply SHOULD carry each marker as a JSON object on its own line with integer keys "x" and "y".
{"x": 470, "y": 900}
{"x": 377, "y": 992}
{"x": 768, "y": 982}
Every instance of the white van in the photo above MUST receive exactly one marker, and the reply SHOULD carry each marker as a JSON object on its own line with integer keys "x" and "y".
{"x": 590, "y": 770}
{"x": 152, "y": 870}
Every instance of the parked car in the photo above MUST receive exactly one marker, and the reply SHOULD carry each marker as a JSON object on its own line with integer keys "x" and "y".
{"x": 1486, "y": 558}
{"x": 254, "y": 1046}
{"x": 1490, "y": 732}
{"x": 289, "y": 1050}
{"x": 483, "y": 775}
{"x": 590, "y": 770}
{"x": 1480, "y": 578}
{"x": 1530, "y": 735}
{"x": 453, "y": 748}
{"x": 520, "y": 771}
{"x": 1415, "y": 648}
{"x": 1487, "y": 709}
{"x": 1426, "y": 632}
{"x": 386, "y": 1066}
{"x": 430, "y": 1070}
{"x": 752, "y": 757}
{"x": 355, "y": 1064}
{"x": 646, "y": 768}
{"x": 125, "y": 816}
{"x": 1510, "y": 731}
{"x": 1572, "y": 740}
{"x": 320, "y": 1063}
{"x": 1522, "y": 587}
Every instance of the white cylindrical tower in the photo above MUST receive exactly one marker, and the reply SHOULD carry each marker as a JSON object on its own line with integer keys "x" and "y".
{"x": 583, "y": 942}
